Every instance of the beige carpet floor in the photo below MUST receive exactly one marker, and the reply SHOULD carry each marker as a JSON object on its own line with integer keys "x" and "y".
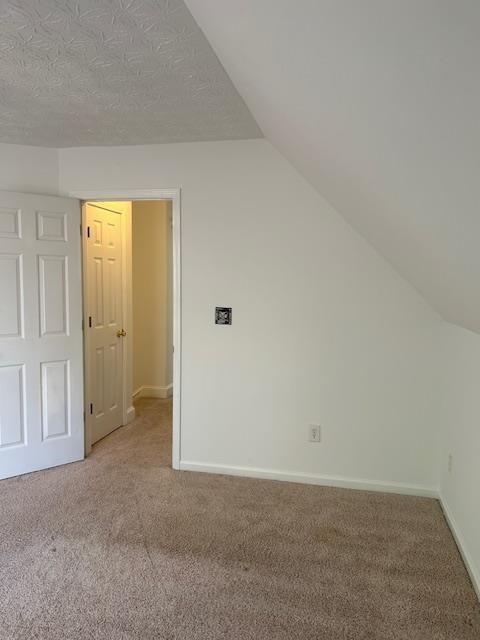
{"x": 122, "y": 547}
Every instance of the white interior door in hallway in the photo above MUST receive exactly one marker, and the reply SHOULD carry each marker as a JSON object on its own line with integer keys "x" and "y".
{"x": 41, "y": 369}
{"x": 105, "y": 333}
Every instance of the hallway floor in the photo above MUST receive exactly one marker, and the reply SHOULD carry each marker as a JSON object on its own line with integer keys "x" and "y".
{"x": 122, "y": 547}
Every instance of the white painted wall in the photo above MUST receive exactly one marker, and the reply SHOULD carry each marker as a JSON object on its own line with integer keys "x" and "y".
{"x": 324, "y": 330}
{"x": 460, "y": 487}
{"x": 28, "y": 169}
{"x": 152, "y": 302}
{"x": 374, "y": 103}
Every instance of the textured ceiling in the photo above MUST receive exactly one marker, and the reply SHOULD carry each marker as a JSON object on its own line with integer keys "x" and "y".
{"x": 377, "y": 103}
{"x": 111, "y": 72}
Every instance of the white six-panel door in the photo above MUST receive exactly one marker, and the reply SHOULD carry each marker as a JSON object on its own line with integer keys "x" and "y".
{"x": 103, "y": 304}
{"x": 41, "y": 368}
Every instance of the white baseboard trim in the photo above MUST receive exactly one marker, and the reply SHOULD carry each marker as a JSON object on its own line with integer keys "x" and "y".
{"x": 473, "y": 571}
{"x": 308, "y": 478}
{"x": 153, "y": 392}
{"x": 130, "y": 415}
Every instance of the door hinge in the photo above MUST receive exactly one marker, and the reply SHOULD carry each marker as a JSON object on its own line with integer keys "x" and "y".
{"x": 90, "y": 321}
{"x": 91, "y": 408}
{"x": 81, "y": 229}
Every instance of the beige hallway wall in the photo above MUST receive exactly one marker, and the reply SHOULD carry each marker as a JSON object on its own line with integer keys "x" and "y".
{"x": 152, "y": 297}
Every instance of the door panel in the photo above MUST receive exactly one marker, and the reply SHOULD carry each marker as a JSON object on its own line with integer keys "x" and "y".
{"x": 52, "y": 225}
{"x": 12, "y": 412}
{"x": 53, "y": 287}
{"x": 9, "y": 223}
{"x": 41, "y": 371}
{"x": 104, "y": 316}
{"x": 55, "y": 400}
{"x": 11, "y": 284}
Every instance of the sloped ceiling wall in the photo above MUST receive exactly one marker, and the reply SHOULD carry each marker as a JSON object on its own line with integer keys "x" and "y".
{"x": 377, "y": 103}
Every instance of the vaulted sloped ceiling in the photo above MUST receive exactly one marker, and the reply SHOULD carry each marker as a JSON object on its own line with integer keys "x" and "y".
{"x": 377, "y": 104}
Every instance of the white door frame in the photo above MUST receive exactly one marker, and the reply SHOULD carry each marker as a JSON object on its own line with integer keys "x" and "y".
{"x": 174, "y": 196}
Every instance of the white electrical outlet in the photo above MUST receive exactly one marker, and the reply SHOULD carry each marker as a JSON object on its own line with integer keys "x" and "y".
{"x": 314, "y": 433}
{"x": 450, "y": 462}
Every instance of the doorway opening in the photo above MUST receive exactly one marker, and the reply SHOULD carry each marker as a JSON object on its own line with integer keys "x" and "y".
{"x": 131, "y": 312}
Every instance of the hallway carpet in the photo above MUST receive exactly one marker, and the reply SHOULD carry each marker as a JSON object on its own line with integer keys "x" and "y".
{"x": 122, "y": 547}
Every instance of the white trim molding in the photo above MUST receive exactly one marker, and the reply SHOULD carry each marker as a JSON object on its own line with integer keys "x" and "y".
{"x": 146, "y": 391}
{"x": 310, "y": 478}
{"x": 175, "y": 196}
{"x": 472, "y": 570}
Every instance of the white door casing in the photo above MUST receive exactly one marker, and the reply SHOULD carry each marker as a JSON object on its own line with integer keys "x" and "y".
{"x": 104, "y": 317}
{"x": 127, "y": 195}
{"x": 41, "y": 373}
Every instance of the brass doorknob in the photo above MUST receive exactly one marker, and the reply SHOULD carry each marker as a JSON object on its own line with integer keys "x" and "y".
{"x": 121, "y": 334}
